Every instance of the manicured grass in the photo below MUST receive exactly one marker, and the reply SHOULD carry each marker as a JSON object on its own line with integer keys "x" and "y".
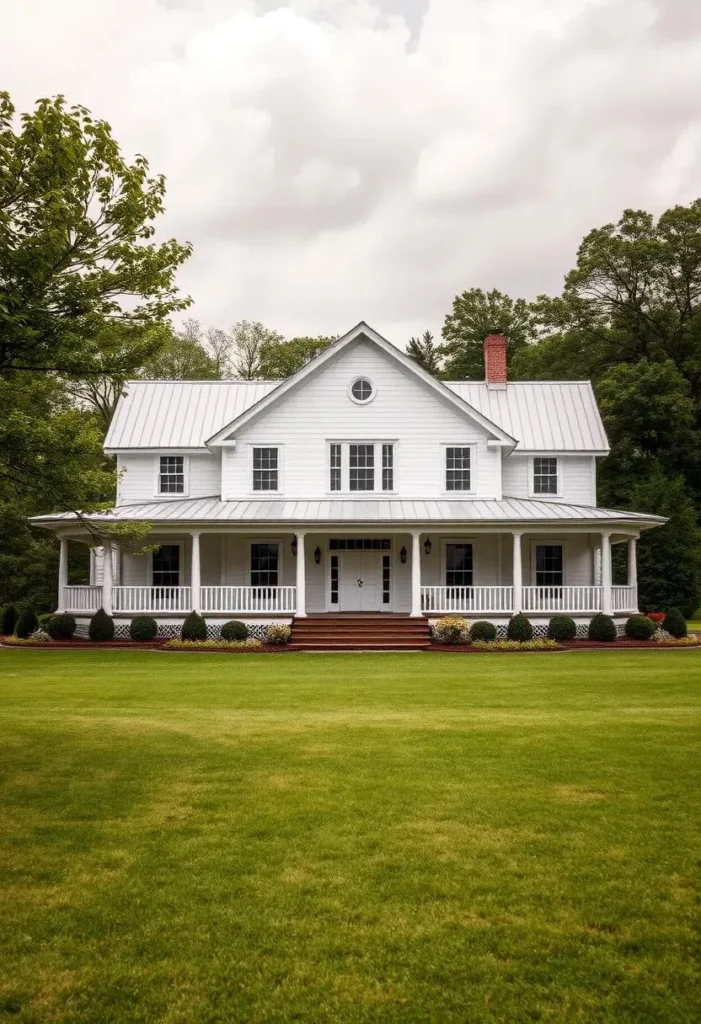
{"x": 195, "y": 838}
{"x": 694, "y": 625}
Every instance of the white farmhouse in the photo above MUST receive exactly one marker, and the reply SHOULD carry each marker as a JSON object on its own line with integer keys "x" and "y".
{"x": 361, "y": 484}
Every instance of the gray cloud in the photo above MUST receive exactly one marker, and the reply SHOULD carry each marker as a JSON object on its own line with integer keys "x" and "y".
{"x": 338, "y": 159}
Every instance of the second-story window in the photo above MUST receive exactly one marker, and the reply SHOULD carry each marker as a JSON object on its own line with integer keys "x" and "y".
{"x": 335, "y": 466}
{"x": 362, "y": 467}
{"x": 544, "y": 476}
{"x": 387, "y": 467}
{"x": 457, "y": 469}
{"x": 265, "y": 469}
{"x": 171, "y": 475}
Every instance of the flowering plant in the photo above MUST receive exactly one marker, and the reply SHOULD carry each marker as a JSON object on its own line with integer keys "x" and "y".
{"x": 656, "y": 616}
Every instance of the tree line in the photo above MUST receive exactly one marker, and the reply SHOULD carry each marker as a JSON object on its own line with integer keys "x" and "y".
{"x": 88, "y": 299}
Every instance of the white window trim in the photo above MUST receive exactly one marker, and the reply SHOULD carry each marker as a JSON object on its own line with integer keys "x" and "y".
{"x": 280, "y": 467}
{"x": 458, "y": 540}
{"x": 444, "y": 445}
{"x": 373, "y": 385}
{"x": 545, "y": 541}
{"x": 345, "y": 491}
{"x": 266, "y": 540}
{"x": 167, "y": 542}
{"x": 531, "y": 477}
{"x": 169, "y": 496}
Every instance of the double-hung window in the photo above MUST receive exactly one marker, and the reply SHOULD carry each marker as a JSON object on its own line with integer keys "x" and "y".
{"x": 166, "y": 566}
{"x": 361, "y": 466}
{"x": 264, "y": 565}
{"x": 458, "y": 565}
{"x": 544, "y": 475}
{"x": 266, "y": 469}
{"x": 457, "y": 468}
{"x": 548, "y": 565}
{"x": 171, "y": 474}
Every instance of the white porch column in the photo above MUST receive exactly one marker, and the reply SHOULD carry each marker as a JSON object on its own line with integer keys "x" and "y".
{"x": 416, "y": 574}
{"x": 301, "y": 605}
{"x": 633, "y": 568}
{"x": 62, "y": 574}
{"x": 107, "y": 578}
{"x": 517, "y": 572}
{"x": 195, "y": 571}
{"x": 607, "y": 597}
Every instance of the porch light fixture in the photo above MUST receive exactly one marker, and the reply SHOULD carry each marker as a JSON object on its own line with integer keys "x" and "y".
{"x": 402, "y": 556}
{"x": 428, "y": 545}
{"x": 293, "y": 545}
{"x": 317, "y": 554}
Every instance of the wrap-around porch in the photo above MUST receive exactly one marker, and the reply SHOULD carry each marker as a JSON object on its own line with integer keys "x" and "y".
{"x": 417, "y": 572}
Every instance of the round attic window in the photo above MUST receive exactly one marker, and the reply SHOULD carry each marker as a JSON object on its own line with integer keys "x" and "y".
{"x": 362, "y": 390}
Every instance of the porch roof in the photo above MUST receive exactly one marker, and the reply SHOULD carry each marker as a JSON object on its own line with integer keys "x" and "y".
{"x": 363, "y": 510}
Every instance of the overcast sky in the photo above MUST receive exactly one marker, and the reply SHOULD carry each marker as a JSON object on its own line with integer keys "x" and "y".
{"x": 338, "y": 160}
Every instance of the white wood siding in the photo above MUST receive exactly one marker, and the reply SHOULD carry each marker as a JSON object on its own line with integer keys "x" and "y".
{"x": 404, "y": 410}
{"x": 138, "y": 476}
{"x": 578, "y": 478}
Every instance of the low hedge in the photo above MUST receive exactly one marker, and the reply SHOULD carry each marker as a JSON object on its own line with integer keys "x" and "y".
{"x": 451, "y": 629}
{"x": 602, "y": 628}
{"x": 482, "y": 632}
{"x": 8, "y": 620}
{"x": 101, "y": 627}
{"x": 61, "y": 627}
{"x": 537, "y": 644}
{"x": 675, "y": 623}
{"x": 278, "y": 634}
{"x": 639, "y": 627}
{"x": 27, "y": 623}
{"x": 143, "y": 628}
{"x": 194, "y": 628}
{"x": 212, "y": 645}
{"x": 234, "y": 630}
{"x": 562, "y": 627}
{"x": 519, "y": 628}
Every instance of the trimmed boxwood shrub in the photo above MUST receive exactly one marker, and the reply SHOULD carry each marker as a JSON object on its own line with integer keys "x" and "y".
{"x": 194, "y": 628}
{"x": 143, "y": 627}
{"x": 602, "y": 628}
{"x": 674, "y": 623}
{"x": 61, "y": 627}
{"x": 639, "y": 627}
{"x": 9, "y": 620}
{"x": 101, "y": 626}
{"x": 26, "y": 624}
{"x": 562, "y": 627}
{"x": 484, "y": 631}
{"x": 234, "y": 630}
{"x": 519, "y": 628}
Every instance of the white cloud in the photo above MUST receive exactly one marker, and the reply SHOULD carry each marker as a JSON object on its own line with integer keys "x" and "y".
{"x": 338, "y": 159}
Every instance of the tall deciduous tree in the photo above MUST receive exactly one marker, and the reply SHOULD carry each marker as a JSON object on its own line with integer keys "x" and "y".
{"x": 424, "y": 352}
{"x": 280, "y": 359}
{"x": 475, "y": 313}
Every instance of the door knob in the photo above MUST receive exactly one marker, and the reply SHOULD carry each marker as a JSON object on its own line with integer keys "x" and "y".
{"x": 360, "y": 583}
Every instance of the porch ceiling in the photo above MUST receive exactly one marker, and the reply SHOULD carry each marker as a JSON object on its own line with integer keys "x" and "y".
{"x": 514, "y": 511}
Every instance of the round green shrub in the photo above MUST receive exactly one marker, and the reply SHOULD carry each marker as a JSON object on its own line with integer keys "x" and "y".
{"x": 143, "y": 627}
{"x": 101, "y": 626}
{"x": 602, "y": 628}
{"x": 639, "y": 627}
{"x": 44, "y": 618}
{"x": 9, "y": 620}
{"x": 194, "y": 628}
{"x": 485, "y": 631}
{"x": 234, "y": 630}
{"x": 61, "y": 627}
{"x": 519, "y": 628}
{"x": 675, "y": 623}
{"x": 562, "y": 627}
{"x": 26, "y": 624}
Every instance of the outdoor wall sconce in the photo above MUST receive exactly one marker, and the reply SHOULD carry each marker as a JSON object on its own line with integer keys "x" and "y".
{"x": 428, "y": 545}
{"x": 402, "y": 556}
{"x": 294, "y": 546}
{"x": 317, "y": 554}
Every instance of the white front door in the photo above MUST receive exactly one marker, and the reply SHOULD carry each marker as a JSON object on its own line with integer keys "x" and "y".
{"x": 360, "y": 582}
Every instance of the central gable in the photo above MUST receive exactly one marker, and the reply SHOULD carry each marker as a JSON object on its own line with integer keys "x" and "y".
{"x": 324, "y": 390}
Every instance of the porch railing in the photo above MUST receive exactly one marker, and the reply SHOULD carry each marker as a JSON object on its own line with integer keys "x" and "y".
{"x": 151, "y": 599}
{"x": 561, "y": 599}
{"x": 248, "y": 599}
{"x": 82, "y": 599}
{"x": 467, "y": 599}
{"x": 624, "y": 599}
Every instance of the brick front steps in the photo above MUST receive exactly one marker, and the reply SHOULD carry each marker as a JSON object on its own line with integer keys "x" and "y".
{"x": 358, "y": 632}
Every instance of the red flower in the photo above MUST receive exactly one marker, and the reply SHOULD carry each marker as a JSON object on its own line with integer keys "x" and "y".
{"x": 656, "y": 616}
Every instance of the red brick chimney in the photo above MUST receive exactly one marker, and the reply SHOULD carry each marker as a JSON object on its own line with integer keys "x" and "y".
{"x": 495, "y": 361}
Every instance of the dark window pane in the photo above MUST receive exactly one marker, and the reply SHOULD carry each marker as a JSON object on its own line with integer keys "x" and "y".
{"x": 264, "y": 565}
{"x": 457, "y": 469}
{"x": 361, "y": 390}
{"x": 265, "y": 469}
{"x": 544, "y": 476}
{"x": 171, "y": 478}
{"x": 362, "y": 467}
{"x": 335, "y": 466}
{"x": 458, "y": 565}
{"x": 387, "y": 467}
{"x": 166, "y": 566}
{"x": 548, "y": 565}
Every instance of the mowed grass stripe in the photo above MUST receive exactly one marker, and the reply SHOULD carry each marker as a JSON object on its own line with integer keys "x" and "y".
{"x": 349, "y": 838}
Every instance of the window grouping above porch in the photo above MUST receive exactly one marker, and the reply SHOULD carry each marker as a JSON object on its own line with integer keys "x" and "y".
{"x": 361, "y": 466}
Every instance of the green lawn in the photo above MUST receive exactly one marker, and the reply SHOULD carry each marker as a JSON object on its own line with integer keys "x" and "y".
{"x": 313, "y": 838}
